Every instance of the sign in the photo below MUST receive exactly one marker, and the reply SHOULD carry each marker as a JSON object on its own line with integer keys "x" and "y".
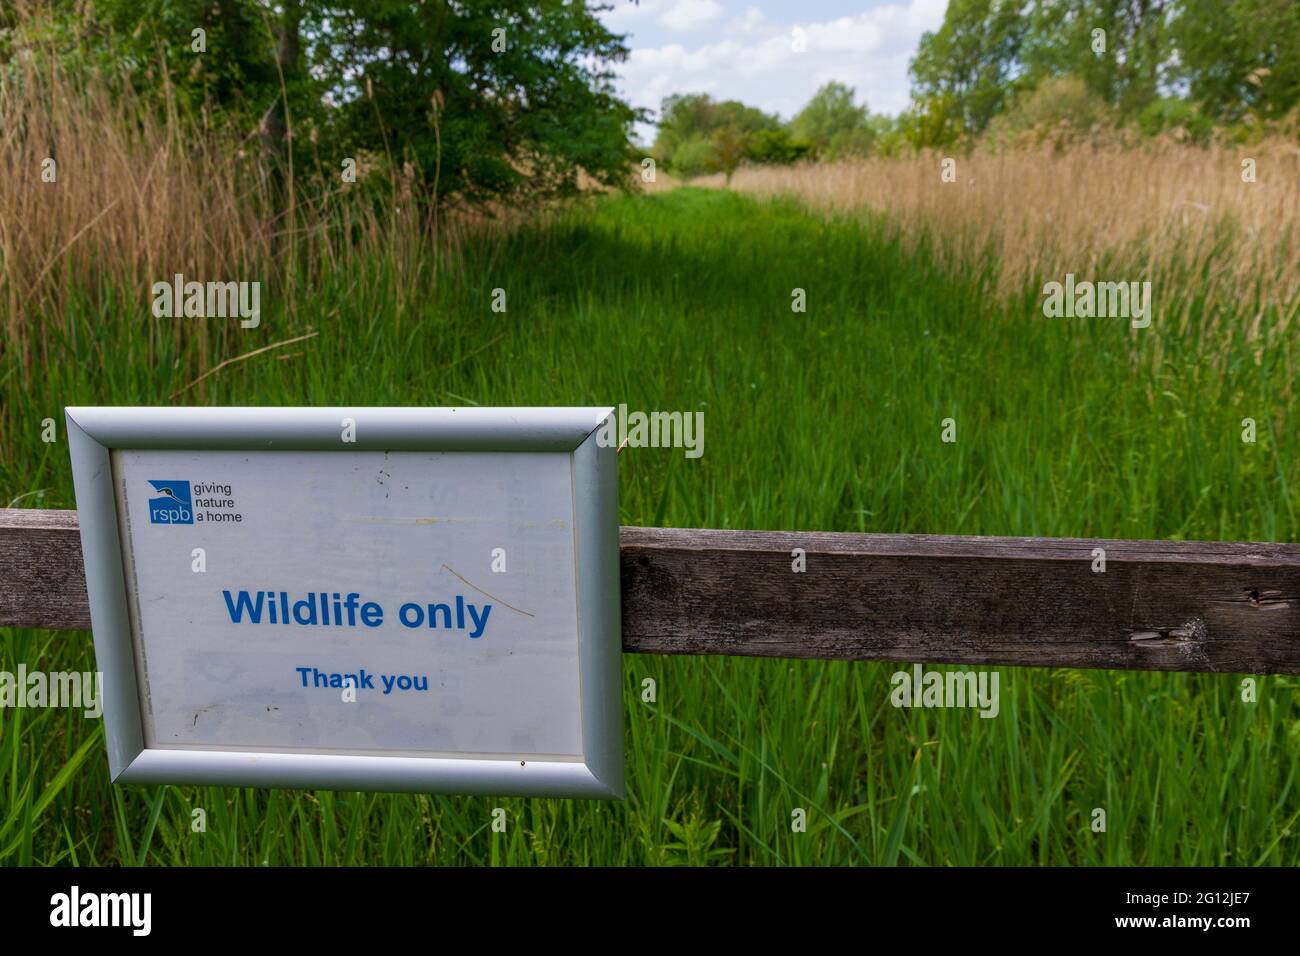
{"x": 370, "y": 598}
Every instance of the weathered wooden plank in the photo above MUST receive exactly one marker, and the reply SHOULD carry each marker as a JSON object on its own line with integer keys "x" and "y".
{"x": 1160, "y": 605}
{"x": 42, "y": 581}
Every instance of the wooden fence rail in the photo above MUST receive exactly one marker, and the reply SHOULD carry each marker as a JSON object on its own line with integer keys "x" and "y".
{"x": 1158, "y": 605}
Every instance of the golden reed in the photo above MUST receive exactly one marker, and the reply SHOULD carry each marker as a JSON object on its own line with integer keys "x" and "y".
{"x": 1158, "y": 211}
{"x": 103, "y": 195}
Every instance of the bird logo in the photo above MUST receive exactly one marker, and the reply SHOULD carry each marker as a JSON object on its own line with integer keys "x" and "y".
{"x": 171, "y": 503}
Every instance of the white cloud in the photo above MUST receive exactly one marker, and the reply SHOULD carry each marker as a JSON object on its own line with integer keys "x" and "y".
{"x": 752, "y": 19}
{"x": 751, "y": 57}
{"x": 857, "y": 34}
{"x": 691, "y": 14}
{"x": 628, "y": 16}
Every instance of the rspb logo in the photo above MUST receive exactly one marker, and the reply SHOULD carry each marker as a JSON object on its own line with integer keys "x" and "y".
{"x": 173, "y": 504}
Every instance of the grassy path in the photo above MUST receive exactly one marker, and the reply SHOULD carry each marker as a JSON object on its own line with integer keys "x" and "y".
{"x": 828, "y": 419}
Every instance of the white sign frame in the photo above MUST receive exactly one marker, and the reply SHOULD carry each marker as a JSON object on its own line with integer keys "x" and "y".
{"x": 94, "y": 432}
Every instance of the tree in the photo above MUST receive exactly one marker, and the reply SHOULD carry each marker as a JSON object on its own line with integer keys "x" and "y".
{"x": 1238, "y": 56}
{"x": 1060, "y": 108}
{"x": 694, "y": 157}
{"x": 968, "y": 67}
{"x": 505, "y": 99}
{"x": 778, "y": 147}
{"x": 932, "y": 121}
{"x": 730, "y": 144}
{"x": 1163, "y": 63}
{"x": 690, "y": 125}
{"x": 1156, "y": 63}
{"x": 288, "y": 62}
{"x": 218, "y": 56}
{"x": 1119, "y": 48}
{"x": 834, "y": 123}
{"x": 480, "y": 99}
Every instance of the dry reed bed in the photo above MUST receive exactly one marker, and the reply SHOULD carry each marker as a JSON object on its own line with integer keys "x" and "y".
{"x": 1163, "y": 211}
{"x": 141, "y": 194}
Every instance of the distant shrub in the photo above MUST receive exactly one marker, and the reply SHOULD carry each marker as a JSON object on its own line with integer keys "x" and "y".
{"x": 698, "y": 134}
{"x": 1060, "y": 110}
{"x": 834, "y": 124}
{"x": 693, "y": 157}
{"x": 1179, "y": 117}
{"x": 777, "y": 147}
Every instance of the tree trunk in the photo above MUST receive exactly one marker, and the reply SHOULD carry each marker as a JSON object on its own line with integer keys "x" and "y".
{"x": 275, "y": 122}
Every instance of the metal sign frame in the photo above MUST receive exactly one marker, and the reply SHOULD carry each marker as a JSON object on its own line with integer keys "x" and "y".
{"x": 95, "y": 432}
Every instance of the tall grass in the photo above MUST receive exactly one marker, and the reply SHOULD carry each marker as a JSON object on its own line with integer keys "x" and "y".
{"x": 828, "y": 419}
{"x": 106, "y": 193}
{"x": 1216, "y": 248}
{"x": 824, "y": 420}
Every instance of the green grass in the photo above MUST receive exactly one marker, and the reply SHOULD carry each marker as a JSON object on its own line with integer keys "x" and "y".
{"x": 826, "y": 420}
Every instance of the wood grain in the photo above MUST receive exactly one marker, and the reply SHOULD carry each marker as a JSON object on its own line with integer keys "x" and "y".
{"x": 42, "y": 580}
{"x": 1160, "y": 605}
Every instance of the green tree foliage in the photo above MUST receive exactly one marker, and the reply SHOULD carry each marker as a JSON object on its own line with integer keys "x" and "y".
{"x": 694, "y": 157}
{"x": 833, "y": 123}
{"x": 964, "y": 72}
{"x": 933, "y": 120}
{"x": 229, "y": 67}
{"x": 485, "y": 99}
{"x": 480, "y": 99}
{"x": 691, "y": 133}
{"x": 1239, "y": 56}
{"x": 1181, "y": 117}
{"x": 1159, "y": 64}
{"x": 1060, "y": 109}
{"x": 1123, "y": 63}
{"x": 777, "y": 147}
{"x": 730, "y": 144}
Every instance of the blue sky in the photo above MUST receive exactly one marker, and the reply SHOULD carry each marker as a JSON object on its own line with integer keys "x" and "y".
{"x": 745, "y": 49}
